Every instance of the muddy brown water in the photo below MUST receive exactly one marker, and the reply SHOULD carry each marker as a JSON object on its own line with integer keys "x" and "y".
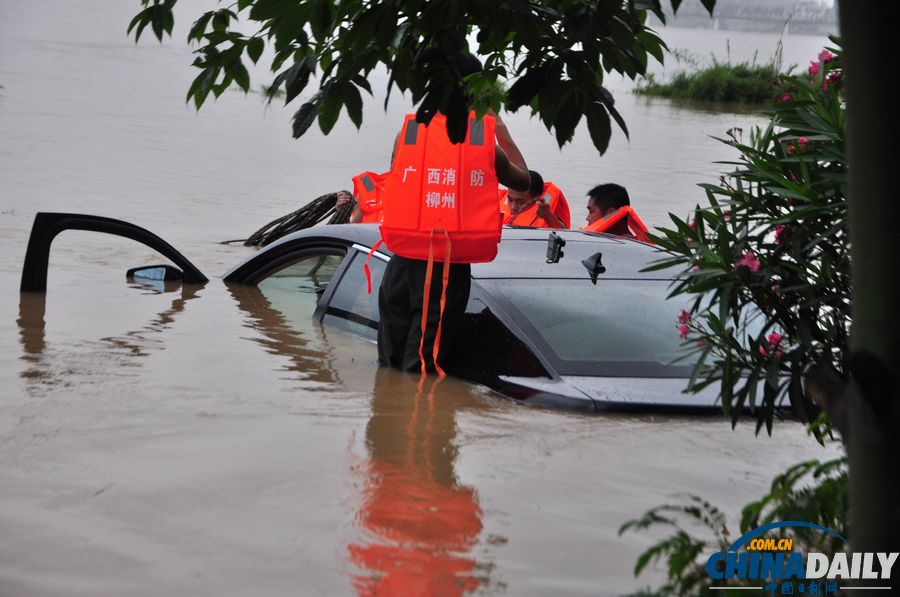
{"x": 199, "y": 441}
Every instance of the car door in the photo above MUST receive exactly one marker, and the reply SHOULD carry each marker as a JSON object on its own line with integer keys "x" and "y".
{"x": 350, "y": 304}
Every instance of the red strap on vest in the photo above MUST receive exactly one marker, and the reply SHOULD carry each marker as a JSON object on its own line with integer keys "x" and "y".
{"x": 425, "y": 296}
{"x": 445, "y": 278}
{"x": 366, "y": 265}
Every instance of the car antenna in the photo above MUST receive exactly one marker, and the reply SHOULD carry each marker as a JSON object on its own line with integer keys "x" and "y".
{"x": 555, "y": 243}
{"x": 594, "y": 266}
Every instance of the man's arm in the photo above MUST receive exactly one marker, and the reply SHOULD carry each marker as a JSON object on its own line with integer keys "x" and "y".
{"x": 509, "y": 174}
{"x": 509, "y": 162}
{"x": 505, "y": 141}
{"x": 356, "y": 215}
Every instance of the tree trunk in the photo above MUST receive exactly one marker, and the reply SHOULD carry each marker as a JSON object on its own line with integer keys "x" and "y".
{"x": 871, "y": 65}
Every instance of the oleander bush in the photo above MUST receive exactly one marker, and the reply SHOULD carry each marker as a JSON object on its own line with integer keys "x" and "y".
{"x": 767, "y": 265}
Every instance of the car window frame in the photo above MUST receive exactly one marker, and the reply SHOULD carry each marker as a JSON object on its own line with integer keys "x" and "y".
{"x": 255, "y": 271}
{"x": 354, "y": 251}
{"x": 266, "y": 263}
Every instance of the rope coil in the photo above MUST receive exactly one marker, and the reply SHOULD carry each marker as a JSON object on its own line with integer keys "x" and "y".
{"x": 314, "y": 212}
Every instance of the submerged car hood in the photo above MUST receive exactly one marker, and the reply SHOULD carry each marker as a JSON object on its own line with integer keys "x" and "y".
{"x": 640, "y": 393}
{"x": 576, "y": 392}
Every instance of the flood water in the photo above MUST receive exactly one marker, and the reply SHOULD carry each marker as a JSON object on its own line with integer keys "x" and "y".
{"x": 201, "y": 442}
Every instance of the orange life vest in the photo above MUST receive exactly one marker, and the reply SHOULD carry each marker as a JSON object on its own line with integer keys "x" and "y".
{"x": 635, "y": 225}
{"x": 528, "y": 217}
{"x": 368, "y": 188}
{"x": 439, "y": 190}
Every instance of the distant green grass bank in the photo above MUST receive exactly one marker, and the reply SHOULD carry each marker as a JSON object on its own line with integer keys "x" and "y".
{"x": 734, "y": 83}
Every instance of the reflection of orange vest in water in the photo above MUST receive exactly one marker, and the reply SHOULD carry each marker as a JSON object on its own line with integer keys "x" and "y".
{"x": 528, "y": 217}
{"x": 420, "y": 534}
{"x": 368, "y": 188}
{"x": 635, "y": 225}
{"x": 435, "y": 186}
{"x": 419, "y": 525}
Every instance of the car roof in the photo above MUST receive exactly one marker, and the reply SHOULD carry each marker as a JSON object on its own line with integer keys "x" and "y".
{"x": 523, "y": 252}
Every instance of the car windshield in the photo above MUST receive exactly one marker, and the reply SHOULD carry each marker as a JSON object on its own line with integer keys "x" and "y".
{"x": 616, "y": 327}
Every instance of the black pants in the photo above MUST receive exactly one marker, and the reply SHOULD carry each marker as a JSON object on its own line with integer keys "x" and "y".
{"x": 400, "y": 309}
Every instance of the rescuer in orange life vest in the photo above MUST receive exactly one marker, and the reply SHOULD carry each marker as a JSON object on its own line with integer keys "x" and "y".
{"x": 441, "y": 207}
{"x": 435, "y": 212}
{"x": 368, "y": 188}
{"x": 543, "y": 206}
{"x": 609, "y": 210}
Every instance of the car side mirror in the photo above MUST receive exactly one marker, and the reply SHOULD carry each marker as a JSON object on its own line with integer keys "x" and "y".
{"x": 594, "y": 266}
{"x": 163, "y": 273}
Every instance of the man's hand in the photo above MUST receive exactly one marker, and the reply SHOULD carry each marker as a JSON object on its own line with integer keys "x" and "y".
{"x": 543, "y": 211}
{"x": 342, "y": 198}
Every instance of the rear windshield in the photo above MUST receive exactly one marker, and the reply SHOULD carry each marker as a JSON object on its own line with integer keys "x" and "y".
{"x": 616, "y": 327}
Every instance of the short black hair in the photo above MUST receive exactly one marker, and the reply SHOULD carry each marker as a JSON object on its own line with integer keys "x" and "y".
{"x": 609, "y": 196}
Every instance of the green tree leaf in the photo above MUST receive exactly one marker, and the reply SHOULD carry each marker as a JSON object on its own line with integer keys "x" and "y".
{"x": 330, "y": 109}
{"x": 353, "y": 102}
{"x": 296, "y": 78}
{"x": 321, "y": 19}
{"x": 306, "y": 115}
{"x": 255, "y": 46}
{"x": 598, "y": 127}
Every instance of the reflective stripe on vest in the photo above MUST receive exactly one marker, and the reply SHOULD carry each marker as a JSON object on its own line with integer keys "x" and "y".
{"x": 634, "y": 223}
{"x": 368, "y": 188}
{"x": 436, "y": 186}
{"x": 528, "y": 217}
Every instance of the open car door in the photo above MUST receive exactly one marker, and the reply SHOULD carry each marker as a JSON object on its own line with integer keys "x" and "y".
{"x": 48, "y": 225}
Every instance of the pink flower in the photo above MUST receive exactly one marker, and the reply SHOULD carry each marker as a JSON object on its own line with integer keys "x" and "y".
{"x": 833, "y": 79}
{"x": 774, "y": 346}
{"x": 801, "y": 144}
{"x": 749, "y": 261}
{"x": 685, "y": 317}
{"x": 683, "y": 331}
{"x": 784, "y": 98}
{"x": 778, "y": 232}
{"x": 813, "y": 68}
{"x": 825, "y": 56}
